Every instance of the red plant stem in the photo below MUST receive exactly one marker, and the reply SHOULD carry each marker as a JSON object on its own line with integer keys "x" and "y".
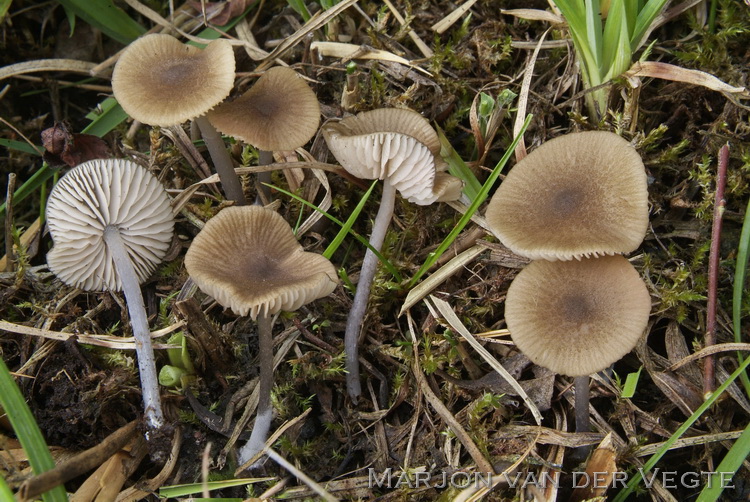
{"x": 713, "y": 270}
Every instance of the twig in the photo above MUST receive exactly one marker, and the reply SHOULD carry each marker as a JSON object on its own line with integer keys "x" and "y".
{"x": 10, "y": 260}
{"x": 713, "y": 269}
{"x": 300, "y": 475}
{"x": 78, "y": 464}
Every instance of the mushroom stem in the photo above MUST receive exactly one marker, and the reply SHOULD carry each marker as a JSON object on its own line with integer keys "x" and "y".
{"x": 264, "y": 416}
{"x": 139, "y": 322}
{"x": 222, "y": 161}
{"x": 361, "y": 297}
{"x": 265, "y": 157}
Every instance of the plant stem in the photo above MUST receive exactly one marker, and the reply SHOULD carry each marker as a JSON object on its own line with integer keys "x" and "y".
{"x": 264, "y": 416}
{"x": 230, "y": 182}
{"x": 139, "y": 322}
{"x": 361, "y": 297}
{"x": 713, "y": 270}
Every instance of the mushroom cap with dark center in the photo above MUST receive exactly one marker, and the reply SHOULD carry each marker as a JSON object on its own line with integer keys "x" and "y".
{"x": 396, "y": 144}
{"x": 160, "y": 81}
{"x": 582, "y": 194}
{"x": 279, "y": 112}
{"x": 262, "y": 269}
{"x": 98, "y": 194}
{"x": 577, "y": 317}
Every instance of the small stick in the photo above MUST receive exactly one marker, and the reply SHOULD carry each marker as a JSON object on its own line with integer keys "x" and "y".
{"x": 10, "y": 260}
{"x": 713, "y": 270}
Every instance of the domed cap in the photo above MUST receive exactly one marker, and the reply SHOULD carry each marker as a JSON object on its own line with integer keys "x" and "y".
{"x": 279, "y": 112}
{"x": 101, "y": 193}
{"x": 396, "y": 144}
{"x": 577, "y": 317}
{"x": 582, "y": 194}
{"x": 160, "y": 81}
{"x": 263, "y": 270}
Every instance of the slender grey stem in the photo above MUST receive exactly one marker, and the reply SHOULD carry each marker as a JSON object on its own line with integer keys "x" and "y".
{"x": 230, "y": 182}
{"x": 141, "y": 333}
{"x": 264, "y": 416}
{"x": 361, "y": 297}
{"x": 264, "y": 158}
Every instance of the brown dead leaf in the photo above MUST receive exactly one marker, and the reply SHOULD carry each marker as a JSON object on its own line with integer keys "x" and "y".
{"x": 63, "y": 147}
{"x": 600, "y": 471}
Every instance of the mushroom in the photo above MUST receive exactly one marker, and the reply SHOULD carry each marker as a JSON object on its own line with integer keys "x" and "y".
{"x": 279, "y": 112}
{"x": 111, "y": 223}
{"x": 582, "y": 194}
{"x": 160, "y": 81}
{"x": 265, "y": 271}
{"x": 402, "y": 149}
{"x": 577, "y": 317}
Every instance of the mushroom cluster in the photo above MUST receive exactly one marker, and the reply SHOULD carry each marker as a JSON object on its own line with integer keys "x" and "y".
{"x": 573, "y": 205}
{"x": 401, "y": 148}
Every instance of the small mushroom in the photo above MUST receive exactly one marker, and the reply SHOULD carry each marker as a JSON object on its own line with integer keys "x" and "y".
{"x": 402, "y": 149}
{"x": 265, "y": 271}
{"x": 577, "y": 317}
{"x": 582, "y": 194}
{"x": 279, "y": 112}
{"x": 111, "y": 223}
{"x": 160, "y": 81}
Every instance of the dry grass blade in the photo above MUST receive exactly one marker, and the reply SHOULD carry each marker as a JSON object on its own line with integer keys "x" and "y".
{"x": 319, "y": 20}
{"x": 445, "y": 272}
{"x": 65, "y": 65}
{"x": 675, "y": 73}
{"x": 455, "y": 323}
{"x": 109, "y": 341}
{"x": 482, "y": 463}
{"x": 714, "y": 349}
{"x": 423, "y": 48}
{"x": 442, "y": 26}
{"x": 300, "y": 475}
{"x": 352, "y": 51}
{"x": 107, "y": 481}
{"x": 534, "y": 15}
{"x": 143, "y": 490}
{"x": 650, "y": 449}
{"x": 600, "y": 470}
{"x": 523, "y": 98}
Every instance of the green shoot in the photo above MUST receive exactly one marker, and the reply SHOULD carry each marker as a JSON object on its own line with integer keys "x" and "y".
{"x": 336, "y": 242}
{"x": 728, "y": 465}
{"x": 476, "y": 202}
{"x": 739, "y": 289}
{"x": 105, "y": 16}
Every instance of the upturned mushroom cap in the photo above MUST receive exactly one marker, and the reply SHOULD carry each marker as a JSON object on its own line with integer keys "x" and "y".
{"x": 101, "y": 193}
{"x": 160, "y": 81}
{"x": 577, "y": 317}
{"x": 263, "y": 270}
{"x": 396, "y": 144}
{"x": 279, "y": 112}
{"x": 582, "y": 194}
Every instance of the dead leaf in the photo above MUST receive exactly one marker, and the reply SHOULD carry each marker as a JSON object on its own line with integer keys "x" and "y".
{"x": 65, "y": 148}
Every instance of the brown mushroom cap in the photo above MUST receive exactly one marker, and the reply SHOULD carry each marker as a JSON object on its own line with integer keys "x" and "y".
{"x": 160, "y": 81}
{"x": 577, "y": 317}
{"x": 279, "y": 112}
{"x": 396, "y": 144}
{"x": 263, "y": 270}
{"x": 582, "y": 194}
{"x": 101, "y": 193}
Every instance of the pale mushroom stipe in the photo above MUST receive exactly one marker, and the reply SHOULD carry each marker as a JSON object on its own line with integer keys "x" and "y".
{"x": 160, "y": 81}
{"x": 111, "y": 224}
{"x": 265, "y": 271}
{"x": 401, "y": 148}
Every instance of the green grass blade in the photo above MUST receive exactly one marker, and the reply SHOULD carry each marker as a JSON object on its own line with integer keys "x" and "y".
{"x": 189, "y": 489}
{"x": 21, "y": 146}
{"x": 31, "y": 185}
{"x": 631, "y": 383}
{"x": 347, "y": 227}
{"x": 740, "y": 272}
{"x": 620, "y": 50}
{"x": 645, "y": 17}
{"x": 466, "y": 217}
{"x": 594, "y": 31}
{"x": 728, "y": 465}
{"x": 27, "y": 431}
{"x": 300, "y": 8}
{"x": 458, "y": 168}
{"x": 575, "y": 16}
{"x": 4, "y": 6}
{"x": 5, "y": 491}
{"x": 651, "y": 463}
{"x": 108, "y": 115}
{"x": 105, "y": 16}
{"x": 340, "y": 223}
